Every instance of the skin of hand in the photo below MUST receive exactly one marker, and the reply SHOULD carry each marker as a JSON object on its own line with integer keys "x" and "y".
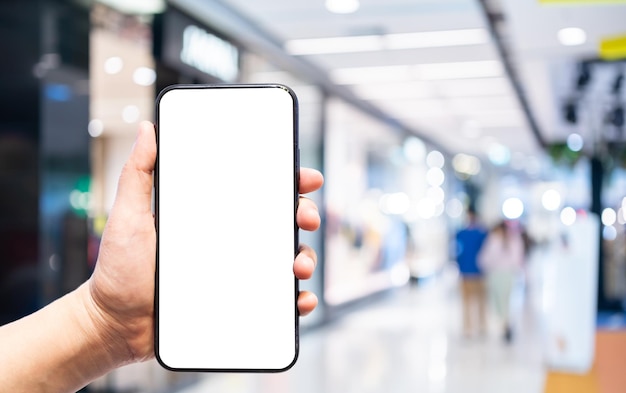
{"x": 108, "y": 321}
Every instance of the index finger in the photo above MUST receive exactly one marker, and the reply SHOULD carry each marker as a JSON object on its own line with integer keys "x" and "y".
{"x": 310, "y": 180}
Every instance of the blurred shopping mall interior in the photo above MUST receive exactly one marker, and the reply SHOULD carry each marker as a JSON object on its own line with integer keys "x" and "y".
{"x": 416, "y": 111}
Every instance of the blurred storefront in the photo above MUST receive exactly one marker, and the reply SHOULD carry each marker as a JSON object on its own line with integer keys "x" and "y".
{"x": 122, "y": 94}
{"x": 76, "y": 92}
{"x": 385, "y": 207}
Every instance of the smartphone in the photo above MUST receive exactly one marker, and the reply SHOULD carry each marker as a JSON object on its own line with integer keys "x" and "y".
{"x": 226, "y": 183}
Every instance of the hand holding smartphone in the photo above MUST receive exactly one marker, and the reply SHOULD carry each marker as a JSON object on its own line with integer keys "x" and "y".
{"x": 225, "y": 291}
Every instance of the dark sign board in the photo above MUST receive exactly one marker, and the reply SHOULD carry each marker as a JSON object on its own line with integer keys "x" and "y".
{"x": 191, "y": 48}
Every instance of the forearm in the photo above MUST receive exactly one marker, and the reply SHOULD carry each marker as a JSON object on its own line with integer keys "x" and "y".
{"x": 60, "y": 348}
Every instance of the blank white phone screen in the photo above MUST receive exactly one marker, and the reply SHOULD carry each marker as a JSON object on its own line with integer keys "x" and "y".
{"x": 226, "y": 199}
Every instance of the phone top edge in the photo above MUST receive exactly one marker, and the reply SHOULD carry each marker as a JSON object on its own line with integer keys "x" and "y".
{"x": 200, "y": 86}
{"x": 225, "y": 86}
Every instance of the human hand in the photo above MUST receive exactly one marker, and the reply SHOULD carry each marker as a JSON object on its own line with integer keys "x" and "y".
{"x": 120, "y": 294}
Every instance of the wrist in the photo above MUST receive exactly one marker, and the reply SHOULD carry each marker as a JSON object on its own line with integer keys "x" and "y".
{"x": 60, "y": 348}
{"x": 103, "y": 337}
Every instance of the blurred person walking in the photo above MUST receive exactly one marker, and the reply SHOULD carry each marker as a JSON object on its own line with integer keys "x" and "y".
{"x": 469, "y": 241}
{"x": 502, "y": 257}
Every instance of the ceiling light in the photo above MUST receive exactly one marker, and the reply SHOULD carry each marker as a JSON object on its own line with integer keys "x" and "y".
{"x": 342, "y": 6}
{"x": 357, "y": 75}
{"x": 572, "y": 36}
{"x": 395, "y": 90}
{"x": 429, "y": 71}
{"x": 368, "y": 43}
{"x": 314, "y": 46}
{"x": 113, "y": 65}
{"x": 499, "y": 119}
{"x": 459, "y": 70}
{"x": 144, "y": 76}
{"x": 475, "y": 87}
{"x": 430, "y": 39}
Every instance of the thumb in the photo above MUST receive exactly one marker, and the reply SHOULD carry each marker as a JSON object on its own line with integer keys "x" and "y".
{"x": 134, "y": 188}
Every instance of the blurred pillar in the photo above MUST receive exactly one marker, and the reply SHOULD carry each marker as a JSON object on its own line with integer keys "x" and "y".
{"x": 19, "y": 174}
{"x": 44, "y": 109}
{"x": 64, "y": 147}
{"x": 597, "y": 176}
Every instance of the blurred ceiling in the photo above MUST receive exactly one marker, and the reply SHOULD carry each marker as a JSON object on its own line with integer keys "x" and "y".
{"x": 431, "y": 64}
{"x": 435, "y": 67}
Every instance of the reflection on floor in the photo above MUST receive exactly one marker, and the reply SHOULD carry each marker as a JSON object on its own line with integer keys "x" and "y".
{"x": 409, "y": 341}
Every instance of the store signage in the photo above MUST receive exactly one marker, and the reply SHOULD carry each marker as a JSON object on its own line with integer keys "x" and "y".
{"x": 194, "y": 50}
{"x": 210, "y": 54}
{"x": 613, "y": 48}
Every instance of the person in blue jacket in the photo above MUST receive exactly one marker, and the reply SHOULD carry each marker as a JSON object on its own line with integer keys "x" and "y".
{"x": 469, "y": 241}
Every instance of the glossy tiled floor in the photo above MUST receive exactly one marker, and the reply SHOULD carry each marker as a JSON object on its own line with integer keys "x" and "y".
{"x": 409, "y": 341}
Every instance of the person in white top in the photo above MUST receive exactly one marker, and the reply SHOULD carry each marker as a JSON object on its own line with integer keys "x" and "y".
{"x": 502, "y": 258}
